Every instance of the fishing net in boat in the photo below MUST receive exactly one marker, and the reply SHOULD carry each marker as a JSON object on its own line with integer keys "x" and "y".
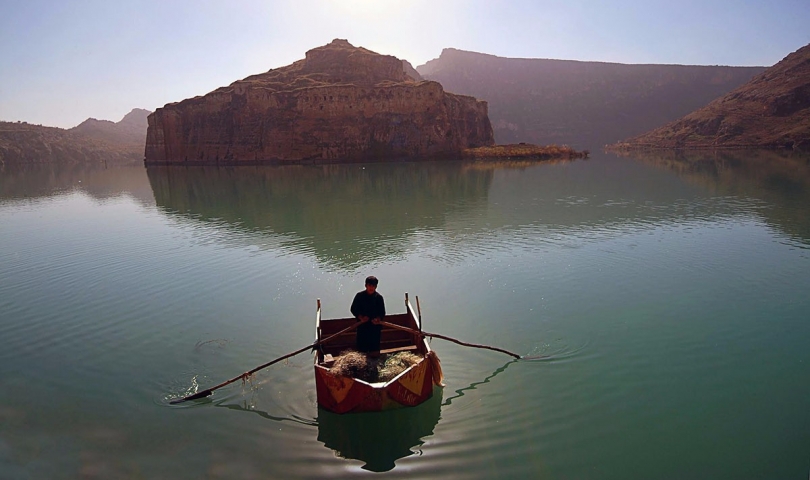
{"x": 380, "y": 369}
{"x": 396, "y": 364}
{"x": 355, "y": 364}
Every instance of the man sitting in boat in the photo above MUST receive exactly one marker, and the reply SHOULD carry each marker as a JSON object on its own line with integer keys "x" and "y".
{"x": 368, "y": 305}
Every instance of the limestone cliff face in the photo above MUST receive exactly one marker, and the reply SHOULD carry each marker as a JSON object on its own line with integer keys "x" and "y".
{"x": 340, "y": 103}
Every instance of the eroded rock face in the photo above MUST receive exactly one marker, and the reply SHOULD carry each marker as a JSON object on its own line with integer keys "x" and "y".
{"x": 340, "y": 103}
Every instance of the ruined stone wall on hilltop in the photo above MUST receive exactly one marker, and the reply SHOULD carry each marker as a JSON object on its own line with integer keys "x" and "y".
{"x": 340, "y": 104}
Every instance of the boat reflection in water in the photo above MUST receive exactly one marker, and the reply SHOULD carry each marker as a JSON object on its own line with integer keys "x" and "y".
{"x": 380, "y": 438}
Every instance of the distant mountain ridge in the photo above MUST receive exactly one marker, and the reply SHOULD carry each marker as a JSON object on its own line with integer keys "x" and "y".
{"x": 584, "y": 104}
{"x": 91, "y": 142}
{"x": 771, "y": 111}
{"x": 129, "y": 130}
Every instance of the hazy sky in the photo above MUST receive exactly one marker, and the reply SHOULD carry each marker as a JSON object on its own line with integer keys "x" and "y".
{"x": 64, "y": 61}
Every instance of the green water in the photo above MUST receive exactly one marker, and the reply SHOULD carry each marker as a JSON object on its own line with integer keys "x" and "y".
{"x": 669, "y": 296}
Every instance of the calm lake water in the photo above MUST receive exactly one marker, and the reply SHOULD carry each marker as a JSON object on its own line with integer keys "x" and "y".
{"x": 669, "y": 295}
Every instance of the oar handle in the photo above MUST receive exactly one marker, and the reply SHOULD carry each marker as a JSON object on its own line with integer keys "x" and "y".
{"x": 209, "y": 391}
{"x": 449, "y": 339}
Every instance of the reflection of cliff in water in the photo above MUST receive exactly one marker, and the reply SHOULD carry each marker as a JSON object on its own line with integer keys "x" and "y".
{"x": 380, "y": 438}
{"x": 345, "y": 215}
{"x": 781, "y": 179}
{"x": 42, "y": 181}
{"x": 606, "y": 196}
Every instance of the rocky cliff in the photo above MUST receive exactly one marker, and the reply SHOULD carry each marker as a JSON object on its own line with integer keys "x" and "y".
{"x": 772, "y": 110}
{"x": 582, "y": 104}
{"x": 340, "y": 103}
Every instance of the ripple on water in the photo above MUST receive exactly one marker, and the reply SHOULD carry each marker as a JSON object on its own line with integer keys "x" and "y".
{"x": 557, "y": 351}
{"x": 429, "y": 438}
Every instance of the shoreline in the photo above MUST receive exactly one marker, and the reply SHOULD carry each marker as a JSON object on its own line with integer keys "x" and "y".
{"x": 521, "y": 151}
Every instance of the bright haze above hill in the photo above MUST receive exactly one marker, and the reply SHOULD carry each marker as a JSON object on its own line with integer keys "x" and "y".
{"x": 63, "y": 62}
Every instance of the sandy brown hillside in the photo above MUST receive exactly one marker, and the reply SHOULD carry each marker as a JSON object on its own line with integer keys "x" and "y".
{"x": 770, "y": 111}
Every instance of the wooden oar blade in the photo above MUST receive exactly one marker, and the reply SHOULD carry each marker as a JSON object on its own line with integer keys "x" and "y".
{"x": 202, "y": 394}
{"x": 535, "y": 357}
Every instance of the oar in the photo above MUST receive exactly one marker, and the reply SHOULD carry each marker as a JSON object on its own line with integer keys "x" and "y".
{"x": 209, "y": 391}
{"x": 455, "y": 340}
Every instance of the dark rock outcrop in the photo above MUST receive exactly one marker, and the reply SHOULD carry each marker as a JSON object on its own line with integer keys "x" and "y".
{"x": 770, "y": 111}
{"x": 340, "y": 103}
{"x": 583, "y": 104}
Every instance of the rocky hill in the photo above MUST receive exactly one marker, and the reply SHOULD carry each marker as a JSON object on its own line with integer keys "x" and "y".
{"x": 583, "y": 104}
{"x": 26, "y": 144}
{"x": 92, "y": 142}
{"x": 340, "y": 103}
{"x": 770, "y": 111}
{"x": 131, "y": 130}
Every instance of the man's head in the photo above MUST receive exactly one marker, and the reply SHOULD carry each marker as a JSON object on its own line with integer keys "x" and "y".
{"x": 371, "y": 284}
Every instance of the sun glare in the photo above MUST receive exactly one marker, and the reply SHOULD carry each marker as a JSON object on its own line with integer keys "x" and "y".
{"x": 369, "y": 8}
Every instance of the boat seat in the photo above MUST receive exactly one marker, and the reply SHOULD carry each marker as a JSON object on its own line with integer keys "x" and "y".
{"x": 398, "y": 349}
{"x": 328, "y": 360}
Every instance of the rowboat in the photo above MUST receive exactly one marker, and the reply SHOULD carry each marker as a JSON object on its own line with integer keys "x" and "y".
{"x": 340, "y": 393}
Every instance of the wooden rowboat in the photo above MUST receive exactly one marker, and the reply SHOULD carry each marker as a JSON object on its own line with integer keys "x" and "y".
{"x": 343, "y": 394}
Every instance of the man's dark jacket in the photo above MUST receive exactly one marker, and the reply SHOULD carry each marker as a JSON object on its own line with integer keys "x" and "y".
{"x": 372, "y": 306}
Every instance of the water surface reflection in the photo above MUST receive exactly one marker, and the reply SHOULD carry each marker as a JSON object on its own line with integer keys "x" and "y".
{"x": 351, "y": 216}
{"x": 43, "y": 181}
{"x": 780, "y": 179}
{"x": 345, "y": 216}
{"x": 646, "y": 281}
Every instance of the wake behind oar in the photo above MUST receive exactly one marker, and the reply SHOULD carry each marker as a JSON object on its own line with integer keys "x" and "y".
{"x": 246, "y": 376}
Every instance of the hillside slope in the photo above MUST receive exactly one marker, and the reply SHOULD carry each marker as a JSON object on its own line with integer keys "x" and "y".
{"x": 583, "y": 104}
{"x": 130, "y": 130}
{"x": 772, "y": 110}
{"x": 91, "y": 142}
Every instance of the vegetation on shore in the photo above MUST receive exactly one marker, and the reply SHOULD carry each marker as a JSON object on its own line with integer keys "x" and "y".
{"x": 524, "y": 151}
